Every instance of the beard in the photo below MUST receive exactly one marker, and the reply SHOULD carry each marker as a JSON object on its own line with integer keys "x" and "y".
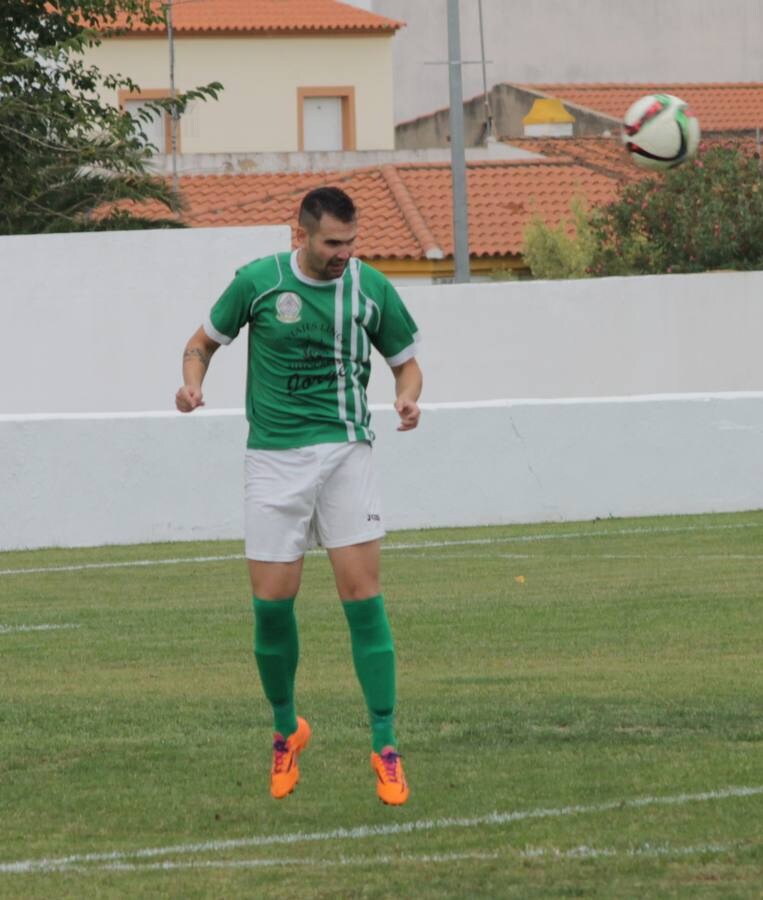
{"x": 317, "y": 266}
{"x": 334, "y": 268}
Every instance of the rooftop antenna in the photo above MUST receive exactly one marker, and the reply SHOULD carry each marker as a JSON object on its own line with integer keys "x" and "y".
{"x": 173, "y": 95}
{"x": 489, "y": 136}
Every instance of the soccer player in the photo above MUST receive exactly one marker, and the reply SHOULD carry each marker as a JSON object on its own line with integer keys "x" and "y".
{"x": 313, "y": 315}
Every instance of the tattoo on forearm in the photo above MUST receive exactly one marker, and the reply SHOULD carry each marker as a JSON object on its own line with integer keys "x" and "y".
{"x": 196, "y": 353}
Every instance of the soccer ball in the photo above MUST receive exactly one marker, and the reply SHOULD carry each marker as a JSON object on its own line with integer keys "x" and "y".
{"x": 659, "y": 132}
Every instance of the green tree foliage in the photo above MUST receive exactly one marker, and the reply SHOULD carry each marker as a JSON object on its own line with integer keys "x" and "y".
{"x": 561, "y": 251}
{"x": 706, "y": 214}
{"x": 63, "y": 151}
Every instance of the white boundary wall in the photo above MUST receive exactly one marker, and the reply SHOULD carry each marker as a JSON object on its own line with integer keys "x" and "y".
{"x": 79, "y": 480}
{"x": 97, "y": 323}
{"x": 638, "y": 396}
{"x": 590, "y": 337}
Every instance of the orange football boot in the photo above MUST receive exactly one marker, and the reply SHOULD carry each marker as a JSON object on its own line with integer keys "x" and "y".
{"x": 284, "y": 775}
{"x": 391, "y": 786}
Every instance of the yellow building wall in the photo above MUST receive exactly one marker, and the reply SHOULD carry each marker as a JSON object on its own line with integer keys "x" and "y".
{"x": 257, "y": 111}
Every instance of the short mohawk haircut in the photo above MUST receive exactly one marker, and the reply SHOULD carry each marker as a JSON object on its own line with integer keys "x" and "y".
{"x": 330, "y": 200}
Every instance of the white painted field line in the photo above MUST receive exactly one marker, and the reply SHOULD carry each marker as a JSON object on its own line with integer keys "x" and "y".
{"x": 387, "y": 548}
{"x": 581, "y": 852}
{"x": 563, "y": 557}
{"x": 319, "y": 862}
{"x": 369, "y": 831}
{"x": 13, "y": 629}
{"x": 621, "y": 557}
{"x": 648, "y": 850}
{"x": 126, "y": 564}
{"x": 572, "y": 535}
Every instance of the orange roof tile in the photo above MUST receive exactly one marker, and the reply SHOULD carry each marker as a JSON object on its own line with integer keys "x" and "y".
{"x": 601, "y": 154}
{"x": 224, "y": 200}
{"x": 736, "y": 106}
{"x": 405, "y": 209}
{"x": 607, "y": 156}
{"x": 503, "y": 198}
{"x": 269, "y": 16}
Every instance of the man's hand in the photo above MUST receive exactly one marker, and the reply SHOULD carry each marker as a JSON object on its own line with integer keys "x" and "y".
{"x": 188, "y": 398}
{"x": 409, "y": 413}
{"x": 198, "y": 352}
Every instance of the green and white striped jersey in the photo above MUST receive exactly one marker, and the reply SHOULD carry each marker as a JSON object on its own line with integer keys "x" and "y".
{"x": 309, "y": 348}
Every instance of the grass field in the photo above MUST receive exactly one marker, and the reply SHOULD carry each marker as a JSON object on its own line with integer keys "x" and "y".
{"x": 581, "y": 715}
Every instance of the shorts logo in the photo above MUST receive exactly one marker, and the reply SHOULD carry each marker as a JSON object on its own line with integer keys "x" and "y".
{"x": 288, "y": 308}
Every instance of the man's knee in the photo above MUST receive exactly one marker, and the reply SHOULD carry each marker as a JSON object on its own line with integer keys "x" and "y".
{"x": 356, "y": 570}
{"x": 357, "y": 588}
{"x": 275, "y": 580}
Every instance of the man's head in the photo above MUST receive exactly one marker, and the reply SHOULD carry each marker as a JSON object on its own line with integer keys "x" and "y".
{"x": 327, "y": 231}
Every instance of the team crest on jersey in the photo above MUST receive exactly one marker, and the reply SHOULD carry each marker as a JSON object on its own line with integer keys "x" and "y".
{"x": 288, "y": 307}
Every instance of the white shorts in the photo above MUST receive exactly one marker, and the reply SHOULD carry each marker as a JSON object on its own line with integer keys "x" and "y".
{"x": 295, "y": 499}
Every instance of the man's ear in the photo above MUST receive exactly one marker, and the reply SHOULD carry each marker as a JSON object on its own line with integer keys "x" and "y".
{"x": 301, "y": 235}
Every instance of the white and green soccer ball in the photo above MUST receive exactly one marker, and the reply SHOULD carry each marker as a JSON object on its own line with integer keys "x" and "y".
{"x": 659, "y": 132}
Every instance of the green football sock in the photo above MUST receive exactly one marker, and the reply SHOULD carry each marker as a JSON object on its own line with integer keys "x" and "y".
{"x": 276, "y": 649}
{"x": 373, "y": 653}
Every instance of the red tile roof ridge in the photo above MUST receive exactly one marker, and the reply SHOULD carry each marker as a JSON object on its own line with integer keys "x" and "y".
{"x": 410, "y": 211}
{"x": 628, "y": 85}
{"x": 223, "y": 17}
{"x": 336, "y": 174}
{"x": 343, "y": 175}
{"x": 485, "y": 163}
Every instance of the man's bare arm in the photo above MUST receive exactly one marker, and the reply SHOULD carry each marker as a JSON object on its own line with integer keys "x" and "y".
{"x": 196, "y": 358}
{"x": 408, "y": 382}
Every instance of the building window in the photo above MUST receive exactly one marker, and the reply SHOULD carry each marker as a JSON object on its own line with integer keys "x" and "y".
{"x": 159, "y": 129}
{"x": 326, "y": 118}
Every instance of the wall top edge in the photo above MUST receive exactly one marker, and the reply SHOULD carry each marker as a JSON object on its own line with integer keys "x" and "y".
{"x": 161, "y": 234}
{"x": 387, "y": 407}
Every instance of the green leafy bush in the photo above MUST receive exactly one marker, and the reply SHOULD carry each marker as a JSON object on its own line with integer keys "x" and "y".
{"x": 706, "y": 214}
{"x": 561, "y": 251}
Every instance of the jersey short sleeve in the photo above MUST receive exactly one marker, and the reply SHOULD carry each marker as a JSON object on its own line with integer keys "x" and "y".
{"x": 395, "y": 335}
{"x": 231, "y": 311}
